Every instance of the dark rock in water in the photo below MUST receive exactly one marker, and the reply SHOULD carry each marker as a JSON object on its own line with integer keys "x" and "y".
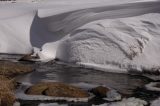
{"x": 158, "y": 85}
{"x": 29, "y": 57}
{"x": 12, "y": 69}
{"x": 7, "y": 97}
{"x": 56, "y": 89}
{"x": 100, "y": 91}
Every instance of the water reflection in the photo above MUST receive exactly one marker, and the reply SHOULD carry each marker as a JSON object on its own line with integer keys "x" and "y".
{"x": 55, "y": 72}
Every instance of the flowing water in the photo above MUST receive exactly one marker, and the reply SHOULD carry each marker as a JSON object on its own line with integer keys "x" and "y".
{"x": 127, "y": 85}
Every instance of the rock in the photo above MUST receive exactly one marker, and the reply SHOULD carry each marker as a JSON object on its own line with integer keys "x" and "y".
{"x": 37, "y": 89}
{"x": 100, "y": 91}
{"x": 7, "y": 97}
{"x": 56, "y": 89}
{"x": 11, "y": 69}
{"x": 29, "y": 57}
{"x": 158, "y": 85}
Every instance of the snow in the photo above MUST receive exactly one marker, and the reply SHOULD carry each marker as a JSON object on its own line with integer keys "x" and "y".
{"x": 113, "y": 95}
{"x": 127, "y": 102}
{"x": 127, "y": 43}
{"x": 152, "y": 86}
{"x": 51, "y": 104}
{"x": 117, "y": 35}
{"x": 156, "y": 102}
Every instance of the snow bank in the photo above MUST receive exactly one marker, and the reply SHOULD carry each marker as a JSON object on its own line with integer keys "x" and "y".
{"x": 127, "y": 43}
{"x": 97, "y": 33}
{"x": 51, "y": 104}
{"x": 153, "y": 86}
{"x": 156, "y": 102}
{"x": 127, "y": 102}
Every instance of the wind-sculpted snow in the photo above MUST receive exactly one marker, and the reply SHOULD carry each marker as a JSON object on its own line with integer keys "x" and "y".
{"x": 122, "y": 35}
{"x": 129, "y": 43}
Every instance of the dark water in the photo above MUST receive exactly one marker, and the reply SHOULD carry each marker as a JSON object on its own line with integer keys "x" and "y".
{"x": 127, "y": 85}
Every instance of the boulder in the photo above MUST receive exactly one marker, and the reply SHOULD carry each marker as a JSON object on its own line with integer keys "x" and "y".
{"x": 57, "y": 89}
{"x": 100, "y": 91}
{"x": 29, "y": 57}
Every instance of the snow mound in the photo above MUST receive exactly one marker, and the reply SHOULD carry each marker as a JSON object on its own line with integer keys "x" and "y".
{"x": 127, "y": 102}
{"x": 156, "y": 102}
{"x": 102, "y": 34}
{"x": 153, "y": 86}
{"x": 127, "y": 43}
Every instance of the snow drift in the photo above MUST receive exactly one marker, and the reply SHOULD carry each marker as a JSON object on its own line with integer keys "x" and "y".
{"x": 117, "y": 35}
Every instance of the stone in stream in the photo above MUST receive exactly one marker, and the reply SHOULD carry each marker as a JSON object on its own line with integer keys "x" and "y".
{"x": 100, "y": 91}
{"x": 57, "y": 89}
{"x": 12, "y": 69}
{"x": 29, "y": 57}
{"x": 106, "y": 93}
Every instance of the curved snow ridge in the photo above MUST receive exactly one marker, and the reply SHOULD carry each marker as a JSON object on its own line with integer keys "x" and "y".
{"x": 92, "y": 33}
{"x": 127, "y": 43}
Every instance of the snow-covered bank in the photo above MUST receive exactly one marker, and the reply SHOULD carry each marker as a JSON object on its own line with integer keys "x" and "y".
{"x": 129, "y": 43}
{"x": 97, "y": 33}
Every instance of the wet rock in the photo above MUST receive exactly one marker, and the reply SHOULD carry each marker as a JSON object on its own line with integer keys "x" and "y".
{"x": 7, "y": 97}
{"x": 100, "y": 91}
{"x": 158, "y": 85}
{"x": 12, "y": 69}
{"x": 30, "y": 57}
{"x": 56, "y": 89}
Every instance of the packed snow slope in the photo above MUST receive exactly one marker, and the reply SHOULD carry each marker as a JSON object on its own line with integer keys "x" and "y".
{"x": 104, "y": 34}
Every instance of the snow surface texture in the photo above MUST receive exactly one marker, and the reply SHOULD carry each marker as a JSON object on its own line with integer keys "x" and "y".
{"x": 153, "y": 86}
{"x": 156, "y": 102}
{"x": 103, "y": 34}
{"x": 51, "y": 104}
{"x": 127, "y": 102}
